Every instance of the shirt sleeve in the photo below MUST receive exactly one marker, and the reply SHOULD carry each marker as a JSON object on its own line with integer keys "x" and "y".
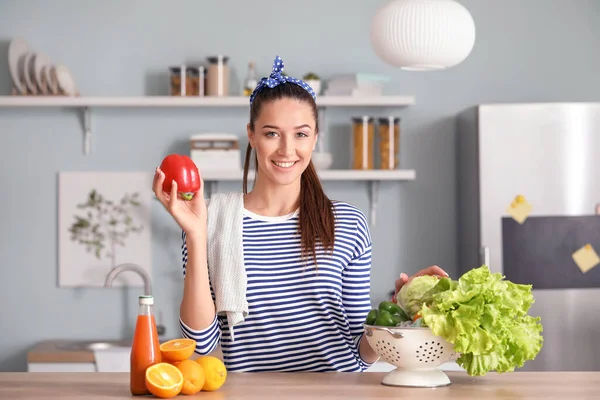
{"x": 208, "y": 338}
{"x": 356, "y": 286}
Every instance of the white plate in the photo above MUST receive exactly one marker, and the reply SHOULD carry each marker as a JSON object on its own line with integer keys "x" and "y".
{"x": 66, "y": 83}
{"x": 16, "y": 49}
{"x": 28, "y": 73}
{"x": 40, "y": 63}
{"x": 51, "y": 79}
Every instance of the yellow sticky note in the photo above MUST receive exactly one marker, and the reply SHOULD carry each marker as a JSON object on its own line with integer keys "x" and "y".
{"x": 586, "y": 258}
{"x": 519, "y": 209}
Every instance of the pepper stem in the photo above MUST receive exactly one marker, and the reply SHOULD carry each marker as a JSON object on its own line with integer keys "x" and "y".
{"x": 186, "y": 195}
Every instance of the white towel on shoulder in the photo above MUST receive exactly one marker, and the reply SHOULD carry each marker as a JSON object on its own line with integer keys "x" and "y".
{"x": 225, "y": 215}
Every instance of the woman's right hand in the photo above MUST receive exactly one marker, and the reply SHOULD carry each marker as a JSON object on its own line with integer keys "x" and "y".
{"x": 190, "y": 215}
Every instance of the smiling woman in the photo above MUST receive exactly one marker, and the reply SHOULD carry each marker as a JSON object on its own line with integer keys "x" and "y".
{"x": 283, "y": 131}
{"x": 300, "y": 292}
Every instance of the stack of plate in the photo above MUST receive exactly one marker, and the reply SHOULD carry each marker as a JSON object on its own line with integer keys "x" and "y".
{"x": 33, "y": 73}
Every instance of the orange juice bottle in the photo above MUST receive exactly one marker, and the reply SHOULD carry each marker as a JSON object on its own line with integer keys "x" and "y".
{"x": 145, "y": 349}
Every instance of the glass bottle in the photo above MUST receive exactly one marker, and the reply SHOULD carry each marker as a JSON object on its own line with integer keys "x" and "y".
{"x": 145, "y": 349}
{"x": 251, "y": 80}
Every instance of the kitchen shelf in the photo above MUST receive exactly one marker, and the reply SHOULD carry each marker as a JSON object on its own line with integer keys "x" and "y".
{"x": 372, "y": 177}
{"x": 175, "y": 101}
{"x": 86, "y": 103}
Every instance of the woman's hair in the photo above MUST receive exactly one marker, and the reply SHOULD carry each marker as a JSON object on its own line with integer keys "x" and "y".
{"x": 316, "y": 216}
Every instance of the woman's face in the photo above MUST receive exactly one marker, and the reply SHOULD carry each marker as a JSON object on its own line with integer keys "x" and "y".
{"x": 284, "y": 137}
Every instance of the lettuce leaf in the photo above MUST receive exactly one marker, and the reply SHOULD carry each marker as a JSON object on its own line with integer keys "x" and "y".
{"x": 411, "y": 297}
{"x": 483, "y": 315}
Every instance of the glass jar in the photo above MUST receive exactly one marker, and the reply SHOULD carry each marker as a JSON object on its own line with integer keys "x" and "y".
{"x": 192, "y": 81}
{"x": 389, "y": 142}
{"x": 217, "y": 83}
{"x": 196, "y": 81}
{"x": 178, "y": 80}
{"x": 363, "y": 138}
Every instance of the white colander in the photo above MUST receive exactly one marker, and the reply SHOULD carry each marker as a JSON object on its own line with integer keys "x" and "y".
{"x": 416, "y": 352}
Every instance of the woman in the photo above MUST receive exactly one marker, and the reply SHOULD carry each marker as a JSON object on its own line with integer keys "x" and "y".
{"x": 307, "y": 258}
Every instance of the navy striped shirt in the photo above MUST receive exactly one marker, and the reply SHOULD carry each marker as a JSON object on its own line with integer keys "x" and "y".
{"x": 299, "y": 319}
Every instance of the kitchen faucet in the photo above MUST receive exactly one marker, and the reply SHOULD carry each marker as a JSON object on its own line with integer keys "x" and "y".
{"x": 147, "y": 284}
{"x": 130, "y": 267}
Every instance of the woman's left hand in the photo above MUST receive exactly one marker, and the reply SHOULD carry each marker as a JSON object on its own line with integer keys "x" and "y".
{"x": 434, "y": 270}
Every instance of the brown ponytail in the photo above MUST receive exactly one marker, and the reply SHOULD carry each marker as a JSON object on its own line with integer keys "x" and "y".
{"x": 316, "y": 217}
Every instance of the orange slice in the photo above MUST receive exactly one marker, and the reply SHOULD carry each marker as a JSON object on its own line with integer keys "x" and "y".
{"x": 193, "y": 376}
{"x": 164, "y": 380}
{"x": 177, "y": 349}
{"x": 214, "y": 371}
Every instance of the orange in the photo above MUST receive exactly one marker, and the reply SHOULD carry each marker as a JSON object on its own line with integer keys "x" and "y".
{"x": 214, "y": 371}
{"x": 193, "y": 376}
{"x": 164, "y": 380}
{"x": 177, "y": 349}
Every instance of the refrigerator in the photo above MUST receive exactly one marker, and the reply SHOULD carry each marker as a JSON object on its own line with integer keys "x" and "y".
{"x": 528, "y": 179}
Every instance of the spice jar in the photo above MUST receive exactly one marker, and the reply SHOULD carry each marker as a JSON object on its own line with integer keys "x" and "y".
{"x": 363, "y": 138}
{"x": 389, "y": 142}
{"x": 217, "y": 83}
{"x": 180, "y": 85}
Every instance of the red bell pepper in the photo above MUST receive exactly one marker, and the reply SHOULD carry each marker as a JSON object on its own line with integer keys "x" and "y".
{"x": 182, "y": 170}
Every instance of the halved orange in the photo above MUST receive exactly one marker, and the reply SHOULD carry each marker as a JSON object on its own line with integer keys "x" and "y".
{"x": 177, "y": 349}
{"x": 164, "y": 380}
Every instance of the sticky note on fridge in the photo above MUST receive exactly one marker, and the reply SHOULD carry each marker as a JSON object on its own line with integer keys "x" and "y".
{"x": 519, "y": 209}
{"x": 586, "y": 258}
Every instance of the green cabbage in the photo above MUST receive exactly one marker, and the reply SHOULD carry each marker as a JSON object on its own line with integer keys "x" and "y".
{"x": 483, "y": 315}
{"x": 417, "y": 292}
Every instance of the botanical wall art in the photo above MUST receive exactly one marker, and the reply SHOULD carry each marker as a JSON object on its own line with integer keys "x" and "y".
{"x": 104, "y": 221}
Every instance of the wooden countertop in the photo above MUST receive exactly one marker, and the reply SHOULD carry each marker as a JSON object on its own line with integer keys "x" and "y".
{"x": 325, "y": 386}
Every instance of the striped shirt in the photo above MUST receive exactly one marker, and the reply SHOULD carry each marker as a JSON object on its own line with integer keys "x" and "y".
{"x": 299, "y": 319}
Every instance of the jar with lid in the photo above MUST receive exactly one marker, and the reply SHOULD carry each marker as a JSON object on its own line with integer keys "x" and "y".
{"x": 178, "y": 80}
{"x": 217, "y": 83}
{"x": 363, "y": 137}
{"x": 197, "y": 81}
{"x": 389, "y": 142}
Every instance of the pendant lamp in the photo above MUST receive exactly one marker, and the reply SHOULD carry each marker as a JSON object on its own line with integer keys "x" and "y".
{"x": 423, "y": 35}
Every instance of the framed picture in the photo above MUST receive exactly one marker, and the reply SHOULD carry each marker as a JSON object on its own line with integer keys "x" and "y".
{"x": 103, "y": 221}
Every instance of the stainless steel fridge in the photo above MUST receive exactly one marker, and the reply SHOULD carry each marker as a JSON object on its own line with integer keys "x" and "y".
{"x": 528, "y": 206}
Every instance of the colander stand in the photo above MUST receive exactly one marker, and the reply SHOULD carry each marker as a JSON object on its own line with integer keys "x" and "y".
{"x": 424, "y": 378}
{"x": 429, "y": 376}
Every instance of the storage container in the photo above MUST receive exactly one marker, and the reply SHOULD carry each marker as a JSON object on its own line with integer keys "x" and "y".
{"x": 363, "y": 138}
{"x": 210, "y": 151}
{"x": 389, "y": 142}
{"x": 217, "y": 76}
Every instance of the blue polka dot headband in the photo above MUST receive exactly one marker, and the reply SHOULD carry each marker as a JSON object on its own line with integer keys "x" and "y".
{"x": 276, "y": 78}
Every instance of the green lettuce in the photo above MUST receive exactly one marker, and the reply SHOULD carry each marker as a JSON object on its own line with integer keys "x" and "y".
{"x": 411, "y": 297}
{"x": 483, "y": 315}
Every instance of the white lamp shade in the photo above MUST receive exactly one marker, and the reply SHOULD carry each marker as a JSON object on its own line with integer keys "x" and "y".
{"x": 423, "y": 35}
